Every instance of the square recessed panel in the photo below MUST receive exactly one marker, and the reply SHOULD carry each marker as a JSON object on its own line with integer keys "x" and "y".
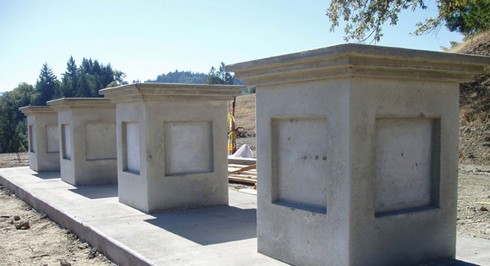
{"x": 299, "y": 162}
{"x": 66, "y": 144}
{"x": 32, "y": 139}
{"x": 53, "y": 139}
{"x": 188, "y": 147}
{"x": 131, "y": 147}
{"x": 407, "y": 162}
{"x": 100, "y": 141}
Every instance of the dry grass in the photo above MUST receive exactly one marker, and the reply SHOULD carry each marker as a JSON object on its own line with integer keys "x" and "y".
{"x": 245, "y": 112}
{"x": 477, "y": 44}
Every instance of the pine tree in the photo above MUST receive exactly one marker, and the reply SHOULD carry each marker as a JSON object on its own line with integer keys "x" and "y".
{"x": 84, "y": 85}
{"x": 220, "y": 76}
{"x": 70, "y": 79}
{"x": 47, "y": 86}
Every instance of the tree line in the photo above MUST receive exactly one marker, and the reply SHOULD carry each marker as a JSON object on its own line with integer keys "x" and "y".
{"x": 215, "y": 76}
{"x": 84, "y": 80}
{"x": 77, "y": 81}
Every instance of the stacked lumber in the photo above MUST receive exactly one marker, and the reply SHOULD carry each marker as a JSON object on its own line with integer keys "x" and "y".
{"x": 242, "y": 170}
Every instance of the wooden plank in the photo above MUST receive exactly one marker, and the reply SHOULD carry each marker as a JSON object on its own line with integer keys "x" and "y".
{"x": 243, "y": 169}
{"x": 239, "y": 179}
{"x": 243, "y": 161}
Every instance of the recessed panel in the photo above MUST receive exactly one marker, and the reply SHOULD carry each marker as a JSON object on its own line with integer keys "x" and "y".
{"x": 188, "y": 147}
{"x": 100, "y": 141}
{"x": 131, "y": 147}
{"x": 32, "y": 138}
{"x": 53, "y": 139}
{"x": 66, "y": 144}
{"x": 299, "y": 161}
{"x": 406, "y": 164}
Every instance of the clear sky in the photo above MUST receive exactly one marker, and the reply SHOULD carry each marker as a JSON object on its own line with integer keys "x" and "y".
{"x": 147, "y": 38}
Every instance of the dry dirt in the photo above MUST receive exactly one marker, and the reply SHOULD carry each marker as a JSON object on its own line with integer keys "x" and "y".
{"x": 474, "y": 134}
{"x": 28, "y": 237}
{"x": 474, "y": 201}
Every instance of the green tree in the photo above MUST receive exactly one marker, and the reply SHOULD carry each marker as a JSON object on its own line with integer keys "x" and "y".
{"x": 47, "y": 86}
{"x": 365, "y": 18}
{"x": 220, "y": 76}
{"x": 12, "y": 123}
{"x": 184, "y": 77}
{"x": 84, "y": 85}
{"x": 118, "y": 78}
{"x": 107, "y": 76}
{"x": 470, "y": 19}
{"x": 69, "y": 80}
{"x": 94, "y": 76}
{"x": 76, "y": 81}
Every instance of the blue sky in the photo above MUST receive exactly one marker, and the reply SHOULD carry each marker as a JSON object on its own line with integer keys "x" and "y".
{"x": 148, "y": 38}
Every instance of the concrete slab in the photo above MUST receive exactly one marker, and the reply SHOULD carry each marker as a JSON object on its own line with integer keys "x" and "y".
{"x": 223, "y": 235}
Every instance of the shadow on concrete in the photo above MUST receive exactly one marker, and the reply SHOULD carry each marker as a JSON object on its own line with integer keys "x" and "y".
{"x": 449, "y": 263}
{"x": 96, "y": 191}
{"x": 207, "y": 226}
{"x": 47, "y": 175}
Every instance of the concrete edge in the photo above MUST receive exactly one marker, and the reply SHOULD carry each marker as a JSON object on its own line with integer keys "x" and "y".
{"x": 111, "y": 248}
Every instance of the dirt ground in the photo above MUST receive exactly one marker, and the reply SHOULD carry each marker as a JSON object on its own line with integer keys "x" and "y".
{"x": 474, "y": 201}
{"x": 28, "y": 237}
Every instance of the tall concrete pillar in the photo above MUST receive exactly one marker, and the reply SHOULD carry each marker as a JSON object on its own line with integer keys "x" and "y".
{"x": 357, "y": 153}
{"x": 43, "y": 138}
{"x": 171, "y": 144}
{"x": 87, "y": 129}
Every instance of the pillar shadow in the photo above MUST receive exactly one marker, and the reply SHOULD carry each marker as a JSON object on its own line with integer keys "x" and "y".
{"x": 96, "y": 191}
{"x": 47, "y": 175}
{"x": 454, "y": 262}
{"x": 211, "y": 225}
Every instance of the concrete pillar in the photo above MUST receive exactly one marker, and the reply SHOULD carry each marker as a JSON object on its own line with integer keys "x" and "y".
{"x": 171, "y": 142}
{"x": 43, "y": 138}
{"x": 357, "y": 153}
{"x": 87, "y": 128}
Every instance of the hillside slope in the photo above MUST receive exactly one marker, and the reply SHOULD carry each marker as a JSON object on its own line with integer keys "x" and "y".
{"x": 474, "y": 134}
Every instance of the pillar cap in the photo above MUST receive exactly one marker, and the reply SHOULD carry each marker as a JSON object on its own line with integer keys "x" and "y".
{"x": 80, "y": 103}
{"x": 32, "y": 109}
{"x": 145, "y": 92}
{"x": 359, "y": 60}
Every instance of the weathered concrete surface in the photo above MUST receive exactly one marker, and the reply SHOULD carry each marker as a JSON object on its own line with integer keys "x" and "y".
{"x": 171, "y": 141}
{"x": 222, "y": 235}
{"x": 357, "y": 153}
{"x": 43, "y": 138}
{"x": 87, "y": 129}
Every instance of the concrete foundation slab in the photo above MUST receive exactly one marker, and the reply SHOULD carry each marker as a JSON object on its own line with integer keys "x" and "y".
{"x": 357, "y": 153}
{"x": 223, "y": 235}
{"x": 171, "y": 144}
{"x": 43, "y": 138}
{"x": 87, "y": 128}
